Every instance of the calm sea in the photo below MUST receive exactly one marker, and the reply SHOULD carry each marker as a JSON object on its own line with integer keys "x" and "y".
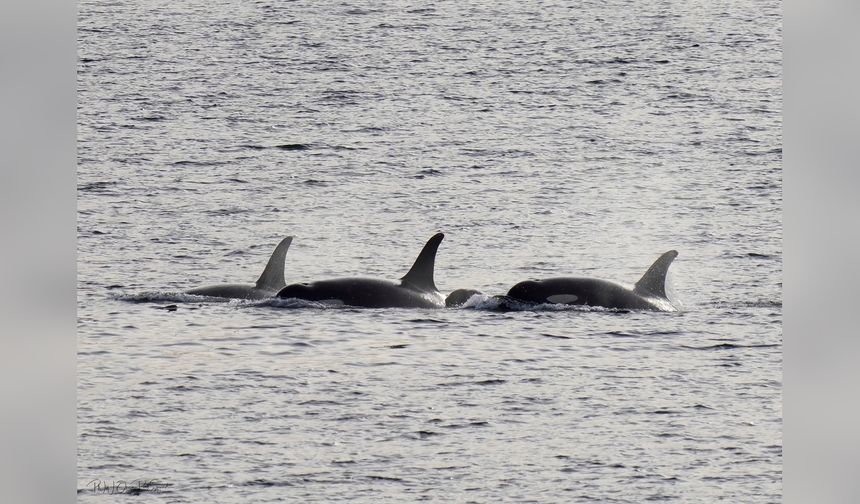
{"x": 543, "y": 138}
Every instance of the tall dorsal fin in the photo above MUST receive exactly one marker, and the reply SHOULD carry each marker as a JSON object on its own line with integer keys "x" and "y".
{"x": 273, "y": 276}
{"x": 421, "y": 274}
{"x": 653, "y": 282}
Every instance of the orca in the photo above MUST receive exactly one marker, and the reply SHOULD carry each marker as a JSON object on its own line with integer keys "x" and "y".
{"x": 269, "y": 283}
{"x": 416, "y": 289}
{"x": 649, "y": 293}
{"x": 460, "y": 296}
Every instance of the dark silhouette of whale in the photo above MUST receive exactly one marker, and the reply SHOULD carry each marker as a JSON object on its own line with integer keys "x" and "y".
{"x": 649, "y": 293}
{"x": 460, "y": 296}
{"x": 269, "y": 283}
{"x": 415, "y": 290}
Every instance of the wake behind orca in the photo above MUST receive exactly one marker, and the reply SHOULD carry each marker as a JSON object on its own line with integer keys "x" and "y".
{"x": 269, "y": 283}
{"x": 649, "y": 293}
{"x": 416, "y": 289}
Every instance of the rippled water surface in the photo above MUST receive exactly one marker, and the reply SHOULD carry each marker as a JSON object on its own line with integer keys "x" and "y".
{"x": 545, "y": 139}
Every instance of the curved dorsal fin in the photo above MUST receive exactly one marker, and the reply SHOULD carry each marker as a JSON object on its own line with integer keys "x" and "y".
{"x": 653, "y": 282}
{"x": 421, "y": 274}
{"x": 273, "y": 276}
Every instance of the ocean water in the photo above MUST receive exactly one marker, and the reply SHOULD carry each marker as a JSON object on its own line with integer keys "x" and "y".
{"x": 545, "y": 139}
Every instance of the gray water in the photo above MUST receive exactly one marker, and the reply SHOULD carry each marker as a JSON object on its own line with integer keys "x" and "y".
{"x": 546, "y": 139}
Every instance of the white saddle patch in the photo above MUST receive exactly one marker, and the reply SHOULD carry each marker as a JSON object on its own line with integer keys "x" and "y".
{"x": 562, "y": 298}
{"x": 332, "y": 302}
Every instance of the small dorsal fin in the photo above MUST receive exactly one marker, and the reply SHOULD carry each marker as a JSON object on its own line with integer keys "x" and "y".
{"x": 421, "y": 274}
{"x": 273, "y": 276}
{"x": 653, "y": 282}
